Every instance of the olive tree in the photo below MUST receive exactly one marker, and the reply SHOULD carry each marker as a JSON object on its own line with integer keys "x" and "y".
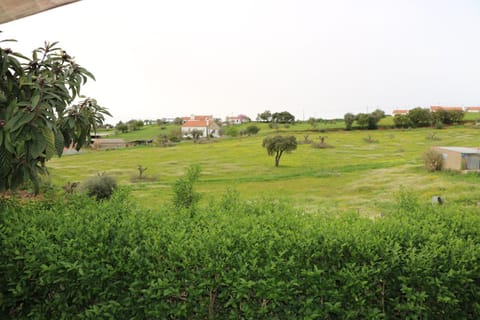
{"x": 278, "y": 145}
{"x": 38, "y": 113}
{"x": 349, "y": 119}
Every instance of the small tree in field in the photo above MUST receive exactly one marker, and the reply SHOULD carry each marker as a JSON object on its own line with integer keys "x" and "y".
{"x": 196, "y": 134}
{"x": 349, "y": 120}
{"x": 278, "y": 145}
{"x": 37, "y": 118}
{"x": 184, "y": 195}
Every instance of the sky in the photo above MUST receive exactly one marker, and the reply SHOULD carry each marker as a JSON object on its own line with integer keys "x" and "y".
{"x": 312, "y": 58}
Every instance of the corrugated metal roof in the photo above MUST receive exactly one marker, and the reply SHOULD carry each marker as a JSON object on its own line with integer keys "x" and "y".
{"x": 462, "y": 150}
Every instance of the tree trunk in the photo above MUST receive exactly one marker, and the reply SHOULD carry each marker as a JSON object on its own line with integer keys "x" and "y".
{"x": 277, "y": 158}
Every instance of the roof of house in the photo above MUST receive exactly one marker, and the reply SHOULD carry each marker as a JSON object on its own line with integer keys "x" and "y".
{"x": 437, "y": 108}
{"x": 400, "y": 111}
{"x": 240, "y": 116}
{"x": 461, "y": 150}
{"x": 197, "y": 118}
{"x": 472, "y": 108}
{"x": 202, "y": 118}
{"x": 195, "y": 123}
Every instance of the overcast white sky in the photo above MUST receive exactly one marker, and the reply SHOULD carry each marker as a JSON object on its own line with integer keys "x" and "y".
{"x": 155, "y": 59}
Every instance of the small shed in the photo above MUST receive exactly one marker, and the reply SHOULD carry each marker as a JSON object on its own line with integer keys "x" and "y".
{"x": 108, "y": 143}
{"x": 459, "y": 158}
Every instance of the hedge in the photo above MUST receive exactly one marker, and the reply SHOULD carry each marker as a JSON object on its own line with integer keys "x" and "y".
{"x": 83, "y": 259}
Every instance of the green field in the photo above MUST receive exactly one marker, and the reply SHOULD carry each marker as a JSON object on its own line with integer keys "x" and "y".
{"x": 353, "y": 175}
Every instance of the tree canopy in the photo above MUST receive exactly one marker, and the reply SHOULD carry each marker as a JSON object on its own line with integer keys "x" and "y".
{"x": 278, "y": 145}
{"x": 265, "y": 116}
{"x": 283, "y": 117}
{"x": 38, "y": 113}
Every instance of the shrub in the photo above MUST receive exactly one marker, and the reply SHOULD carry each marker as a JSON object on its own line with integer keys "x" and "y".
{"x": 252, "y": 130}
{"x": 85, "y": 259}
{"x": 100, "y": 186}
{"x": 184, "y": 195}
{"x": 433, "y": 137}
{"x": 231, "y": 131}
{"x": 433, "y": 160}
{"x": 370, "y": 139}
{"x": 321, "y": 145}
{"x": 439, "y": 124}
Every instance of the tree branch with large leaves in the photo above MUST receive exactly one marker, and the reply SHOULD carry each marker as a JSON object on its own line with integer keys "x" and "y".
{"x": 37, "y": 115}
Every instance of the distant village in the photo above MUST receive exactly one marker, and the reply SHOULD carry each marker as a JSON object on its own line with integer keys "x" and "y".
{"x": 195, "y": 126}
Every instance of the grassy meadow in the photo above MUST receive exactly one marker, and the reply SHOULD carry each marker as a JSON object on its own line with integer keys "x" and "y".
{"x": 353, "y": 175}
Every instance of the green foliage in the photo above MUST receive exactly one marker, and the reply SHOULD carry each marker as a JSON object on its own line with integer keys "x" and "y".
{"x": 283, "y": 117}
{"x": 420, "y": 117}
{"x": 252, "y": 130}
{"x": 196, "y": 134}
{"x": 313, "y": 122}
{"x": 37, "y": 119}
{"x": 369, "y": 120}
{"x": 265, "y": 116}
{"x": 447, "y": 116}
{"x": 433, "y": 160}
{"x": 349, "y": 119}
{"x": 184, "y": 195}
{"x": 370, "y": 139}
{"x": 134, "y": 125}
{"x": 278, "y": 145}
{"x": 402, "y": 121}
{"x": 231, "y": 131}
{"x": 100, "y": 186}
{"x": 237, "y": 260}
{"x": 122, "y": 127}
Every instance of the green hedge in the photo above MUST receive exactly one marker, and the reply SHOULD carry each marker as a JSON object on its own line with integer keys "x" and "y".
{"x": 83, "y": 259}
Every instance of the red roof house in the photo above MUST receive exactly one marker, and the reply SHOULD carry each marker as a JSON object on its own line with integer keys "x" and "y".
{"x": 399, "y": 111}
{"x": 205, "y": 124}
{"x": 438, "y": 108}
{"x": 472, "y": 109}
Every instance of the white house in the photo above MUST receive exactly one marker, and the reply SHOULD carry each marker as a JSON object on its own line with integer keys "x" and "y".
{"x": 241, "y": 118}
{"x": 206, "y": 126}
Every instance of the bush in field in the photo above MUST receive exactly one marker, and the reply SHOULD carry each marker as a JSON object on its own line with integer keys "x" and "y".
{"x": 184, "y": 196}
{"x": 100, "y": 186}
{"x": 231, "y": 131}
{"x": 433, "y": 160}
{"x": 252, "y": 130}
{"x": 370, "y": 139}
{"x": 420, "y": 117}
{"x": 349, "y": 119}
{"x": 402, "y": 121}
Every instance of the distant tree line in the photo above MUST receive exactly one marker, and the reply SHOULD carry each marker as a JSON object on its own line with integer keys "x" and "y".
{"x": 276, "y": 117}
{"x": 131, "y": 125}
{"x": 364, "y": 120}
{"x": 422, "y": 117}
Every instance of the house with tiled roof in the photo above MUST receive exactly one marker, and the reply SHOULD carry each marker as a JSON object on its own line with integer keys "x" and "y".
{"x": 438, "y": 108}
{"x": 472, "y": 109}
{"x": 399, "y": 112}
{"x": 241, "y": 118}
{"x": 205, "y": 124}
